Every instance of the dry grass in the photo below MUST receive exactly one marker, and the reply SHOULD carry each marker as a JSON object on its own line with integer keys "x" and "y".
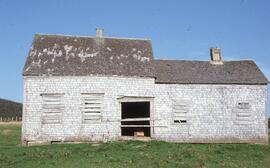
{"x": 11, "y": 123}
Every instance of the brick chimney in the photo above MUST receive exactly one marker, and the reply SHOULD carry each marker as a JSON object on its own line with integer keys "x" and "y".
{"x": 99, "y": 32}
{"x": 215, "y": 56}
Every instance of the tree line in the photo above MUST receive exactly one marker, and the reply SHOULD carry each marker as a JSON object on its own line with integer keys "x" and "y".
{"x": 10, "y": 109}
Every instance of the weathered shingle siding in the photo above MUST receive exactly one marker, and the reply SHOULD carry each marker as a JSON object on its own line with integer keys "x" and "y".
{"x": 72, "y": 127}
{"x": 210, "y": 118}
{"x": 212, "y": 113}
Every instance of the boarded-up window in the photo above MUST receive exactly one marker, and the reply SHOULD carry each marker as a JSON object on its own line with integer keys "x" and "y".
{"x": 52, "y": 108}
{"x": 243, "y": 113}
{"x": 92, "y": 104}
{"x": 180, "y": 109}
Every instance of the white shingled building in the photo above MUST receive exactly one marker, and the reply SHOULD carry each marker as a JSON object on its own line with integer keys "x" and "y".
{"x": 103, "y": 88}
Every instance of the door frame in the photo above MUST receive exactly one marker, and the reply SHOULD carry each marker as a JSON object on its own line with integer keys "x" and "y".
{"x": 123, "y": 99}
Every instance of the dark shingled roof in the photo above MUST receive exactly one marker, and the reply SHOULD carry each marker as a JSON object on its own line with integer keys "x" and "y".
{"x": 203, "y": 72}
{"x": 58, "y": 55}
{"x": 76, "y": 56}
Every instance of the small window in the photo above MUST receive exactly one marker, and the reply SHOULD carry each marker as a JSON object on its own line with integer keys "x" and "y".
{"x": 92, "y": 104}
{"x": 180, "y": 109}
{"x": 243, "y": 105}
{"x": 180, "y": 121}
{"x": 52, "y": 108}
{"x": 243, "y": 113}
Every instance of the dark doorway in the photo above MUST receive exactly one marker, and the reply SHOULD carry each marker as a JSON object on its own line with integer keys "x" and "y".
{"x": 135, "y": 119}
{"x": 130, "y": 131}
{"x": 135, "y": 109}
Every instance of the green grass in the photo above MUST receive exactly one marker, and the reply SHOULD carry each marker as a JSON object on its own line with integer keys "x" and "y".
{"x": 128, "y": 154}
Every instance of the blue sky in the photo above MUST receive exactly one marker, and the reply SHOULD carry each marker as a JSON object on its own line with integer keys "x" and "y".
{"x": 178, "y": 29}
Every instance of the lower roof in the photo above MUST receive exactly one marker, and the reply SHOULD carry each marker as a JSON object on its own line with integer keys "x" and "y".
{"x": 203, "y": 72}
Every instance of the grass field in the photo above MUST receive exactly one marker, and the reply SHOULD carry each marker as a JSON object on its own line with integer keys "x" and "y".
{"x": 128, "y": 154}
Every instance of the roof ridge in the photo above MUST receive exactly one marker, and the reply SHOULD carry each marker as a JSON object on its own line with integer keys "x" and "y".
{"x": 84, "y": 36}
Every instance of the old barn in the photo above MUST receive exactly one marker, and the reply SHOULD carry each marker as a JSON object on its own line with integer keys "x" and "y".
{"x": 104, "y": 88}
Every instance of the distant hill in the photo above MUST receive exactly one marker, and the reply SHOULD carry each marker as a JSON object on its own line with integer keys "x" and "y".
{"x": 10, "y": 109}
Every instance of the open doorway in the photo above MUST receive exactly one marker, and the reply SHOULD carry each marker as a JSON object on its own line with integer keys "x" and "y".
{"x": 135, "y": 119}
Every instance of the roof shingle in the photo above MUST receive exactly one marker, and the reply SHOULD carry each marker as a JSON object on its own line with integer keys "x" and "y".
{"x": 203, "y": 72}
{"x": 77, "y": 56}
{"x": 58, "y": 55}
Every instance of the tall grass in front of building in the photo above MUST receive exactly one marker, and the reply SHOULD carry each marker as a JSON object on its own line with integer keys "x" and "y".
{"x": 128, "y": 154}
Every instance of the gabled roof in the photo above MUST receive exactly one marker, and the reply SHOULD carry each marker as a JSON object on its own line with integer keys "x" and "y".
{"x": 59, "y": 55}
{"x": 203, "y": 72}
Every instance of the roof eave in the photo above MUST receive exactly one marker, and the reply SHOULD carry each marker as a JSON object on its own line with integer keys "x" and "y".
{"x": 207, "y": 83}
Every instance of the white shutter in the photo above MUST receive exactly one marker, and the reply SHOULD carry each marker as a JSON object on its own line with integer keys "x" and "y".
{"x": 243, "y": 113}
{"x": 180, "y": 109}
{"x": 52, "y": 108}
{"x": 92, "y": 104}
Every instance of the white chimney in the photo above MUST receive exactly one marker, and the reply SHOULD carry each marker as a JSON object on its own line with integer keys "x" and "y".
{"x": 215, "y": 56}
{"x": 99, "y": 32}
